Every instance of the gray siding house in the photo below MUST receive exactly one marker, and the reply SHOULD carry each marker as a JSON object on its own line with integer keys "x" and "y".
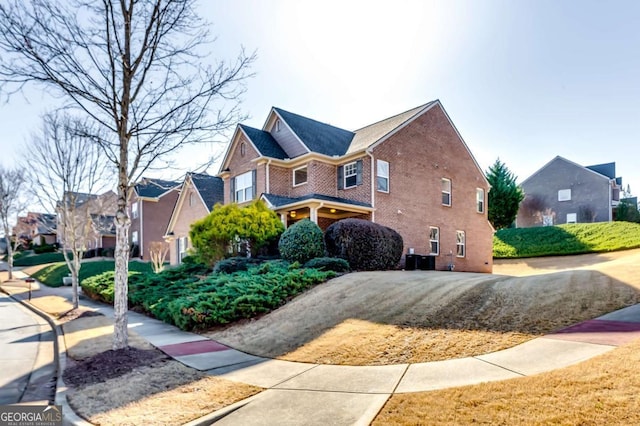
{"x": 565, "y": 192}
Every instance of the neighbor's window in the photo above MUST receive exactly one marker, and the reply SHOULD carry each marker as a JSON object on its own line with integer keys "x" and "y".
{"x": 446, "y": 192}
{"x": 300, "y": 176}
{"x": 244, "y": 187}
{"x": 480, "y": 200}
{"x": 183, "y": 243}
{"x": 277, "y": 126}
{"x": 350, "y": 175}
{"x": 460, "y": 243}
{"x": 383, "y": 175}
{"x": 134, "y": 237}
{"x": 434, "y": 240}
{"x": 134, "y": 210}
{"x": 572, "y": 218}
{"x": 564, "y": 195}
{"x": 192, "y": 199}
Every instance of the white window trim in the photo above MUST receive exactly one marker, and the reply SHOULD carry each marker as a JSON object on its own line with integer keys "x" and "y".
{"x": 294, "y": 175}
{"x": 564, "y": 194}
{"x": 479, "y": 202}
{"x": 437, "y": 241}
{"x": 134, "y": 210}
{"x": 378, "y": 175}
{"x": 446, "y": 192}
{"x": 243, "y": 189}
{"x": 462, "y": 244}
{"x": 183, "y": 245}
{"x": 134, "y": 237}
{"x": 355, "y": 174}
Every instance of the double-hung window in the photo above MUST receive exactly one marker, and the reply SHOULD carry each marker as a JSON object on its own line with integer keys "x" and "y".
{"x": 134, "y": 210}
{"x": 434, "y": 241}
{"x": 183, "y": 244}
{"x": 350, "y": 175}
{"x": 480, "y": 200}
{"x": 461, "y": 241}
{"x": 446, "y": 192}
{"x": 382, "y": 176}
{"x": 244, "y": 187}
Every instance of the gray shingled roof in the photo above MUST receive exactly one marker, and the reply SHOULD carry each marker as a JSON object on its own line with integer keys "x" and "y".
{"x": 607, "y": 169}
{"x": 369, "y": 135}
{"x": 279, "y": 201}
{"x": 264, "y": 142}
{"x": 211, "y": 188}
{"x": 154, "y": 188}
{"x": 318, "y": 137}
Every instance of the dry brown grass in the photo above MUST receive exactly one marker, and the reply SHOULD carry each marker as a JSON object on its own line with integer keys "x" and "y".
{"x": 600, "y": 391}
{"x": 377, "y": 318}
{"x": 168, "y": 395}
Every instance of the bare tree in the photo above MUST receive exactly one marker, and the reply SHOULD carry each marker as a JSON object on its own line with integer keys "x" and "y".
{"x": 11, "y": 187}
{"x": 64, "y": 173}
{"x": 158, "y": 250}
{"x": 139, "y": 69}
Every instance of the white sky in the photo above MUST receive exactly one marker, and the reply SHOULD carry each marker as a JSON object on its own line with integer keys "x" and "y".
{"x": 521, "y": 80}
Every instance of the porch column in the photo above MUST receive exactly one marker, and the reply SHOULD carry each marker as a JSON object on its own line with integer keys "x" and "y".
{"x": 313, "y": 214}
{"x": 283, "y": 219}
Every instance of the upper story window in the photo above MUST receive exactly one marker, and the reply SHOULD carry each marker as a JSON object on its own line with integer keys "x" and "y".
{"x": 350, "y": 175}
{"x": 564, "y": 195}
{"x": 382, "y": 175}
{"x": 243, "y": 187}
{"x": 243, "y": 149}
{"x": 461, "y": 241}
{"x": 300, "y": 176}
{"x": 134, "y": 210}
{"x": 480, "y": 200}
{"x": 192, "y": 199}
{"x": 434, "y": 241}
{"x": 446, "y": 192}
{"x": 277, "y": 125}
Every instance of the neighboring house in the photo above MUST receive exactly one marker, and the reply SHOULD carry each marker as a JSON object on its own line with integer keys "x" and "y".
{"x": 90, "y": 217}
{"x": 412, "y": 172}
{"x": 565, "y": 192}
{"x": 150, "y": 205}
{"x": 3, "y": 245}
{"x": 38, "y": 228}
{"x": 198, "y": 194}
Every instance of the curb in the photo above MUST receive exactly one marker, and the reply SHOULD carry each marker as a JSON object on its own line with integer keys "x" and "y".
{"x": 221, "y": 413}
{"x": 60, "y": 354}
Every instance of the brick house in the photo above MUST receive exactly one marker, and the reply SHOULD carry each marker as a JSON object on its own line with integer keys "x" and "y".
{"x": 562, "y": 191}
{"x": 39, "y": 228}
{"x": 91, "y": 219}
{"x": 150, "y": 206}
{"x": 198, "y": 194}
{"x": 412, "y": 172}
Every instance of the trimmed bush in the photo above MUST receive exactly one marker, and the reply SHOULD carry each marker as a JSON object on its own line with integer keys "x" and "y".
{"x": 45, "y": 248}
{"x": 367, "y": 246}
{"x": 301, "y": 242}
{"x": 334, "y": 264}
{"x": 233, "y": 264}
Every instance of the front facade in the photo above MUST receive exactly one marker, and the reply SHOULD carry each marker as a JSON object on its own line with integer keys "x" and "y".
{"x": 198, "y": 194}
{"x": 150, "y": 206}
{"x": 411, "y": 172}
{"x": 565, "y": 192}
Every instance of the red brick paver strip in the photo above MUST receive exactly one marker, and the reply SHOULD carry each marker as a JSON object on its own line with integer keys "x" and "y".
{"x": 193, "y": 348}
{"x": 601, "y": 332}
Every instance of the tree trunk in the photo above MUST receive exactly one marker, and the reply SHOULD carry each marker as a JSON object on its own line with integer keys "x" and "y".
{"x": 9, "y": 257}
{"x": 75, "y": 277}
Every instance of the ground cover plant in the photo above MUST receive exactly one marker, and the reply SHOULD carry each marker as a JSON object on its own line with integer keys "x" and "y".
{"x": 52, "y": 275}
{"x": 192, "y": 297}
{"x": 38, "y": 259}
{"x": 566, "y": 239}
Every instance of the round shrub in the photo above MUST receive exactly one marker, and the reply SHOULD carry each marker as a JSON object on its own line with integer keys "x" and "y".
{"x": 301, "y": 242}
{"x": 232, "y": 265}
{"x": 334, "y": 264}
{"x": 367, "y": 246}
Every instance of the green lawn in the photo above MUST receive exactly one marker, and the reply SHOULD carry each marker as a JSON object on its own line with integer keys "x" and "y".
{"x": 37, "y": 259}
{"x": 52, "y": 275}
{"x": 566, "y": 239}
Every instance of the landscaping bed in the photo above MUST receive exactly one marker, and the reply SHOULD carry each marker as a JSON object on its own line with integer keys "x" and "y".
{"x": 52, "y": 275}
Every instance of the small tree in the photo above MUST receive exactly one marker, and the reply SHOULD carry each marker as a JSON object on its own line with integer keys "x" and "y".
{"x": 11, "y": 188}
{"x": 158, "y": 251}
{"x": 227, "y": 226}
{"x": 504, "y": 197}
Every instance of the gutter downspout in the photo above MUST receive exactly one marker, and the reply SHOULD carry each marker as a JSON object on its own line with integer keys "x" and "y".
{"x": 610, "y": 201}
{"x": 373, "y": 191}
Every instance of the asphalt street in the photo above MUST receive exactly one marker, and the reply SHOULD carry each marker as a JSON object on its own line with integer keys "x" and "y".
{"x": 27, "y": 370}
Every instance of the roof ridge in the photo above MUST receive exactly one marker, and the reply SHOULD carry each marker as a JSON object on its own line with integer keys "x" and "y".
{"x": 396, "y": 115}
{"x": 311, "y": 119}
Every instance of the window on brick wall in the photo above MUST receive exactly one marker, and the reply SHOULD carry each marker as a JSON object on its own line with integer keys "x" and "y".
{"x": 564, "y": 195}
{"x": 134, "y": 210}
{"x": 243, "y": 187}
{"x": 434, "y": 241}
{"x": 382, "y": 175}
{"x": 446, "y": 192}
{"x": 300, "y": 176}
{"x": 572, "y": 218}
{"x": 350, "y": 175}
{"x": 480, "y": 200}
{"x": 183, "y": 244}
{"x": 461, "y": 242}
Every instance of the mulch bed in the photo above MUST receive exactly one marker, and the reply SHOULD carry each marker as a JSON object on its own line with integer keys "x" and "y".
{"x": 110, "y": 364}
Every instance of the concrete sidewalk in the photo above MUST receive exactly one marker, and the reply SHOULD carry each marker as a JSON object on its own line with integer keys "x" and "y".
{"x": 299, "y": 393}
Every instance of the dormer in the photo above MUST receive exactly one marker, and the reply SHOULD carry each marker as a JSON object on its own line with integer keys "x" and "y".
{"x": 284, "y": 135}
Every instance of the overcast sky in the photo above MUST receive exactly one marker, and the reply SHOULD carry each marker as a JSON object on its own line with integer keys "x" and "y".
{"x": 521, "y": 80}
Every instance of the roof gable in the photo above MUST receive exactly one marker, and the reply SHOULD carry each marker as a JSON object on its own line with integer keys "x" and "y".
{"x": 570, "y": 163}
{"x": 316, "y": 136}
{"x": 265, "y": 144}
{"x": 154, "y": 188}
{"x": 210, "y": 188}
